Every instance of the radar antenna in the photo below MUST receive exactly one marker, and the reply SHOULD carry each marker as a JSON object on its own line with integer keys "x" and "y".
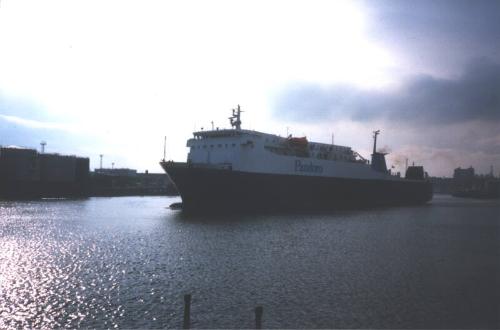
{"x": 235, "y": 119}
{"x": 43, "y": 144}
{"x": 375, "y": 133}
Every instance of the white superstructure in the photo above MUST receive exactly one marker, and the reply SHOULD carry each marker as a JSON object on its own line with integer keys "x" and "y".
{"x": 256, "y": 152}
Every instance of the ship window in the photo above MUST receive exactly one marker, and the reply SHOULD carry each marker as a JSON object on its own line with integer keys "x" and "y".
{"x": 211, "y": 146}
{"x": 234, "y": 144}
{"x": 226, "y": 145}
{"x": 219, "y": 145}
{"x": 204, "y": 146}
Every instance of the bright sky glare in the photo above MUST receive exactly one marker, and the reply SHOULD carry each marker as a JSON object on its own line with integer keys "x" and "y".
{"x": 120, "y": 75}
{"x": 132, "y": 72}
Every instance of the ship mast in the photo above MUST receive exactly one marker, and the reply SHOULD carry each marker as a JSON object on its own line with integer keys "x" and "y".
{"x": 235, "y": 119}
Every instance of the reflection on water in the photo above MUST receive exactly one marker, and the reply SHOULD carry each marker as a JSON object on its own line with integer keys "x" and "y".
{"x": 51, "y": 275}
{"x": 126, "y": 262}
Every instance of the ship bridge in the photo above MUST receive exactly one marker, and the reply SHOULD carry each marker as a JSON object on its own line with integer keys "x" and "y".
{"x": 222, "y": 133}
{"x": 247, "y": 149}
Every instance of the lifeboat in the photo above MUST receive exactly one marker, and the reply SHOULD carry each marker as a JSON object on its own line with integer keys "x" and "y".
{"x": 298, "y": 141}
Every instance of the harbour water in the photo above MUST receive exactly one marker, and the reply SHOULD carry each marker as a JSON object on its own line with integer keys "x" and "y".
{"x": 127, "y": 262}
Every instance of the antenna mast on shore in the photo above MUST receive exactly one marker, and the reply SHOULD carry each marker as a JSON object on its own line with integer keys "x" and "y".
{"x": 164, "y": 148}
{"x": 43, "y": 144}
{"x": 100, "y": 163}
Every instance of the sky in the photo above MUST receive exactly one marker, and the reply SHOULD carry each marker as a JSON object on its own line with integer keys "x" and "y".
{"x": 116, "y": 77}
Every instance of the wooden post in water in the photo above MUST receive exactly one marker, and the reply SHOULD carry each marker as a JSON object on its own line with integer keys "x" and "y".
{"x": 258, "y": 317}
{"x": 187, "y": 311}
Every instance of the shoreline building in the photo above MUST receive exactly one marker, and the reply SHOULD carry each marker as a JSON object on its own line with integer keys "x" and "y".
{"x": 26, "y": 173}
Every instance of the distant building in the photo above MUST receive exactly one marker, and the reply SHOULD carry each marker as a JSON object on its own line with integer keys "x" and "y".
{"x": 116, "y": 171}
{"x": 442, "y": 185}
{"x": 127, "y": 182}
{"x": 467, "y": 184}
{"x": 25, "y": 173}
{"x": 464, "y": 179}
{"x": 19, "y": 164}
{"x": 463, "y": 173}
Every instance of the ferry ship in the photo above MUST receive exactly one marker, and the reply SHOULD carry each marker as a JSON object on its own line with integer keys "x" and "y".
{"x": 239, "y": 169}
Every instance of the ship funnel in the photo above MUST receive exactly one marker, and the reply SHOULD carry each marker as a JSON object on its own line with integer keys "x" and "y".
{"x": 375, "y": 133}
{"x": 378, "y": 158}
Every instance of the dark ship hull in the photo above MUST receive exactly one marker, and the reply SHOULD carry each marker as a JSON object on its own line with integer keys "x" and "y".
{"x": 204, "y": 188}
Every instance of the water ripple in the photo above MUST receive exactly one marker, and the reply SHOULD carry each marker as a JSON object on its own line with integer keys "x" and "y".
{"x": 126, "y": 262}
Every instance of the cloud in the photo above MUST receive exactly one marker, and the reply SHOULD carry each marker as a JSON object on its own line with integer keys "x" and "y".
{"x": 439, "y": 123}
{"x": 26, "y": 123}
{"x": 14, "y": 132}
{"x": 32, "y": 119}
{"x": 60, "y": 138}
{"x": 24, "y": 107}
{"x": 420, "y": 100}
{"x": 38, "y": 124}
{"x": 437, "y": 35}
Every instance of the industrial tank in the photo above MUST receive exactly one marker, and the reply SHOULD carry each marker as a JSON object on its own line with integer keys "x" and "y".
{"x": 25, "y": 173}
